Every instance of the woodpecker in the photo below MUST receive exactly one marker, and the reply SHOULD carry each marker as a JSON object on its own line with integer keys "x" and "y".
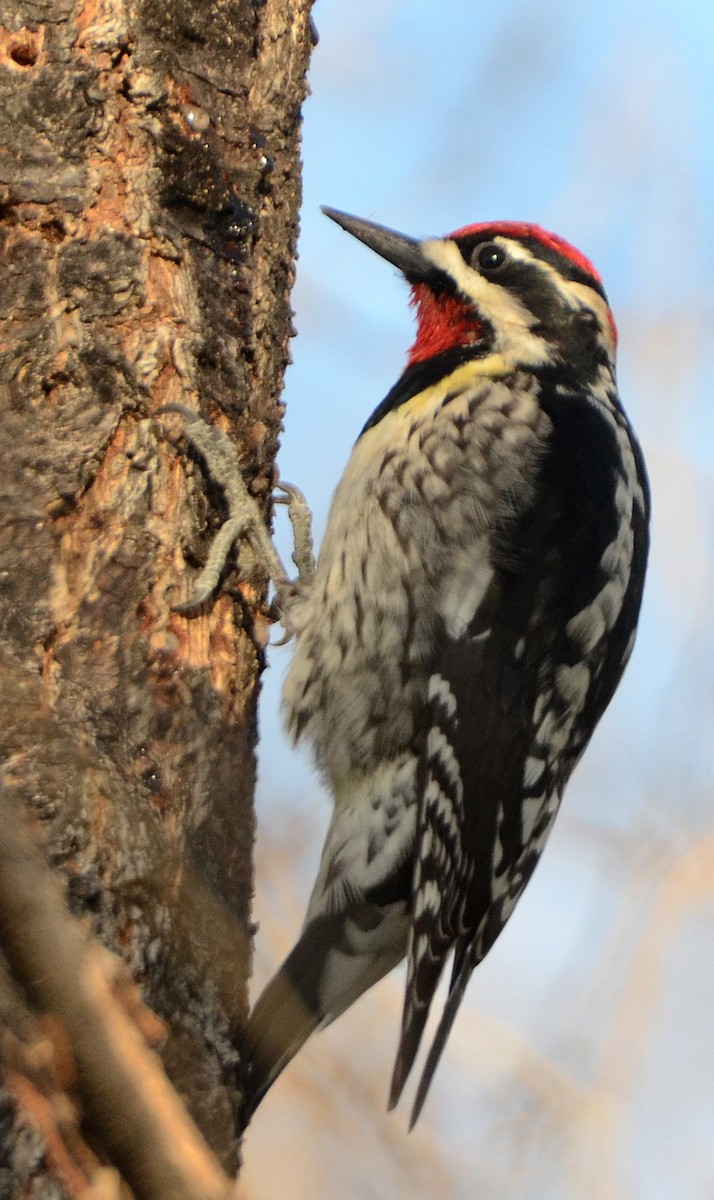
{"x": 470, "y": 614}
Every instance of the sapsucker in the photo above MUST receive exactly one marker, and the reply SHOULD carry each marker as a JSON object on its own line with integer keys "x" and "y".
{"x": 471, "y": 612}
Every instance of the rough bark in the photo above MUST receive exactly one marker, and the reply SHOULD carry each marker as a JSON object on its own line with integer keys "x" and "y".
{"x": 149, "y": 189}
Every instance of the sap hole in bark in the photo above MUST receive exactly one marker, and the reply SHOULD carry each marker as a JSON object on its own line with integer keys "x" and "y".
{"x": 23, "y": 48}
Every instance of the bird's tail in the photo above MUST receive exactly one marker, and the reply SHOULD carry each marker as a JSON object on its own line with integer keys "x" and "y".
{"x": 461, "y": 975}
{"x": 425, "y": 971}
{"x": 337, "y": 958}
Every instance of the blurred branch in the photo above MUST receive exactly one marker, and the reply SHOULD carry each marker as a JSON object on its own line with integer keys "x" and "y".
{"x": 99, "y": 1025}
{"x": 687, "y": 881}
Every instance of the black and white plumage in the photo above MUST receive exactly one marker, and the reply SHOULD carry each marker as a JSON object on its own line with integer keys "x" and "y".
{"x": 473, "y": 607}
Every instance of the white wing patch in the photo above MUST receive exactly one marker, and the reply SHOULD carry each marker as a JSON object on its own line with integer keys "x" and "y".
{"x": 532, "y": 808}
{"x": 470, "y": 573}
{"x": 573, "y": 683}
{"x": 591, "y": 624}
{"x": 587, "y": 627}
{"x": 533, "y": 771}
{"x": 440, "y": 689}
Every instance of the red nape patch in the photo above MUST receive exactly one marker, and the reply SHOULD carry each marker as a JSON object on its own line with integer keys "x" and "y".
{"x": 442, "y": 323}
{"x": 521, "y": 229}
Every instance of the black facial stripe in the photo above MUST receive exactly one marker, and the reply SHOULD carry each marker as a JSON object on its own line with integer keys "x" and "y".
{"x": 533, "y": 288}
{"x": 563, "y": 265}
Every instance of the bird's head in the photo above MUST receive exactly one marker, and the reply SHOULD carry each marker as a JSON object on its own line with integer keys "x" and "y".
{"x": 507, "y": 292}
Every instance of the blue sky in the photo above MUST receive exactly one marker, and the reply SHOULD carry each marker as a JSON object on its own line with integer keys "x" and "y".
{"x": 596, "y": 121}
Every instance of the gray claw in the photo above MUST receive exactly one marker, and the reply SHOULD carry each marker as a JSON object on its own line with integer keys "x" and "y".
{"x": 244, "y": 516}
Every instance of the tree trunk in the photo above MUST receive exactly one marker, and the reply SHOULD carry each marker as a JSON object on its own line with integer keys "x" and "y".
{"x": 149, "y": 190}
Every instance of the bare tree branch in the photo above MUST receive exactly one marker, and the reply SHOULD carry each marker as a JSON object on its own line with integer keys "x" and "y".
{"x": 126, "y": 1099}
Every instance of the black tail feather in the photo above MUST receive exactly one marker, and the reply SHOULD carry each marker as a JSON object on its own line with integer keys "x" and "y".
{"x": 425, "y": 970}
{"x": 459, "y": 980}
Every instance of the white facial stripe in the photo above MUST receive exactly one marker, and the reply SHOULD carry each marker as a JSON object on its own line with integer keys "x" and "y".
{"x": 510, "y": 319}
{"x": 569, "y": 289}
{"x": 489, "y": 297}
{"x": 574, "y": 294}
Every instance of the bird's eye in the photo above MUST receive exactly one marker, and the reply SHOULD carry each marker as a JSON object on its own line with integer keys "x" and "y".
{"x": 489, "y": 257}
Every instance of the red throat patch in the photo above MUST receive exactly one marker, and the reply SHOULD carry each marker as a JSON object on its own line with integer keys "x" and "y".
{"x": 442, "y": 323}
